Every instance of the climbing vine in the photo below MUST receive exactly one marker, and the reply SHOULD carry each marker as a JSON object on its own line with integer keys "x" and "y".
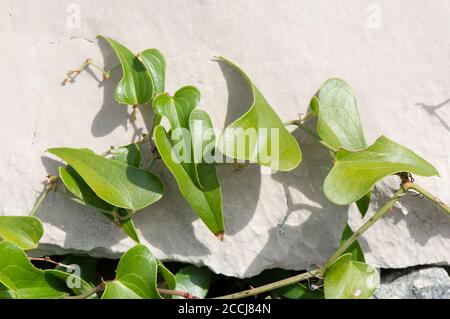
{"x": 120, "y": 183}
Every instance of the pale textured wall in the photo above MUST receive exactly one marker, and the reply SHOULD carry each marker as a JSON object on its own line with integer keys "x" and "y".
{"x": 399, "y": 70}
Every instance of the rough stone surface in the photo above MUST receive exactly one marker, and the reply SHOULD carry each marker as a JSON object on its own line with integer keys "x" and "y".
{"x": 399, "y": 72}
{"x": 429, "y": 283}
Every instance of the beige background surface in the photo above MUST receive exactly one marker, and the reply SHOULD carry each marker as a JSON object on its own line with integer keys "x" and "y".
{"x": 395, "y": 55}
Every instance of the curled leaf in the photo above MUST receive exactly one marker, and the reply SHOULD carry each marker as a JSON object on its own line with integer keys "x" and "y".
{"x": 136, "y": 86}
{"x": 259, "y": 136}
{"x": 155, "y": 64}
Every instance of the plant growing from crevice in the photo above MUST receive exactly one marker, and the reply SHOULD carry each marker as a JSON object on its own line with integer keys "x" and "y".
{"x": 119, "y": 183}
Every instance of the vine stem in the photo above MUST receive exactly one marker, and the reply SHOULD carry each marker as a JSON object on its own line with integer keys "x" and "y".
{"x": 272, "y": 286}
{"x": 102, "y": 287}
{"x": 49, "y": 260}
{"x": 183, "y": 294}
{"x": 428, "y": 195}
{"x": 404, "y": 188}
{"x": 51, "y": 184}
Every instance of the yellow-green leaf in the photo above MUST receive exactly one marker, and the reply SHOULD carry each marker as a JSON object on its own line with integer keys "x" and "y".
{"x": 207, "y": 203}
{"x": 24, "y": 231}
{"x": 259, "y": 136}
{"x": 339, "y": 124}
{"x": 136, "y": 85}
{"x": 349, "y": 279}
{"x": 23, "y": 280}
{"x": 354, "y": 174}
{"x": 116, "y": 183}
{"x": 136, "y": 276}
{"x": 155, "y": 64}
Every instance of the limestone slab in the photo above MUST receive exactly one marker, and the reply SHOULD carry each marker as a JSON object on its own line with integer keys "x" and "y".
{"x": 394, "y": 55}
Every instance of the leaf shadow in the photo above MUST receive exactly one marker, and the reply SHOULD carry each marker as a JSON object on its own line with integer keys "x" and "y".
{"x": 111, "y": 114}
{"x": 169, "y": 223}
{"x": 310, "y": 229}
{"x": 424, "y": 220}
{"x": 80, "y": 225}
{"x": 240, "y": 189}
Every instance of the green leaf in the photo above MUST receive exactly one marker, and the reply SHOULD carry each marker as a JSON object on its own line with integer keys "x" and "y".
{"x": 128, "y": 154}
{"x": 136, "y": 276}
{"x": 207, "y": 204}
{"x": 167, "y": 275}
{"x": 339, "y": 124}
{"x": 75, "y": 184}
{"x": 5, "y": 293}
{"x": 78, "y": 285}
{"x": 23, "y": 279}
{"x": 259, "y": 136}
{"x": 349, "y": 279}
{"x": 355, "y": 174}
{"x": 193, "y": 280}
{"x": 83, "y": 193}
{"x": 24, "y": 231}
{"x": 136, "y": 86}
{"x": 364, "y": 202}
{"x": 354, "y": 249}
{"x": 118, "y": 184}
{"x": 177, "y": 110}
{"x": 155, "y": 64}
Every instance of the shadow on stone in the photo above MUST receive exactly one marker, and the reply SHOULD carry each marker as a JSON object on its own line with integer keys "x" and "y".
{"x": 313, "y": 223}
{"x": 240, "y": 189}
{"x": 111, "y": 114}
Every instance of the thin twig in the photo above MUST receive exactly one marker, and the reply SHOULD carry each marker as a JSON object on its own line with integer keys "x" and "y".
{"x": 183, "y": 294}
{"x": 47, "y": 259}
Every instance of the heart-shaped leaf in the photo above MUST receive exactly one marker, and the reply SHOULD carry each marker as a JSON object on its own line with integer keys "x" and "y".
{"x": 24, "y": 231}
{"x": 118, "y": 184}
{"x": 259, "y": 136}
{"x": 349, "y": 279}
{"x": 136, "y": 276}
{"x": 339, "y": 124}
{"x": 22, "y": 279}
{"x": 155, "y": 64}
{"x": 206, "y": 203}
{"x": 193, "y": 280}
{"x": 354, "y": 249}
{"x": 354, "y": 174}
{"x": 136, "y": 86}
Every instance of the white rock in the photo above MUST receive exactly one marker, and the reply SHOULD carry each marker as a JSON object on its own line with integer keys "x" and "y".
{"x": 429, "y": 283}
{"x": 395, "y": 56}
